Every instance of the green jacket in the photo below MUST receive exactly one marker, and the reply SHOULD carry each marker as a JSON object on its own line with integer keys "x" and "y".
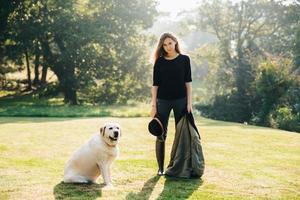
{"x": 187, "y": 160}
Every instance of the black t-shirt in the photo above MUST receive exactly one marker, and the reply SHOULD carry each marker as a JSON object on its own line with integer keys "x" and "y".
{"x": 171, "y": 75}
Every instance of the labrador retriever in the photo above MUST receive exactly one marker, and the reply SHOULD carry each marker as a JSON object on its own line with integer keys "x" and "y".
{"x": 94, "y": 157}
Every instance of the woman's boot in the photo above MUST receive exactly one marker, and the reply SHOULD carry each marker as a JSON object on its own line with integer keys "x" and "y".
{"x": 160, "y": 156}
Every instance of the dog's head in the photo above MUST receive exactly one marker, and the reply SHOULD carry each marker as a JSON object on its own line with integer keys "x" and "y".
{"x": 111, "y": 133}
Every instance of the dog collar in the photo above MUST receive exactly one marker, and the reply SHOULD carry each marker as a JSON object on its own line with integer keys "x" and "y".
{"x": 110, "y": 145}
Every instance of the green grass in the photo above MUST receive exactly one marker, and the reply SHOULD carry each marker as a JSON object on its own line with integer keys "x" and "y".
{"x": 242, "y": 162}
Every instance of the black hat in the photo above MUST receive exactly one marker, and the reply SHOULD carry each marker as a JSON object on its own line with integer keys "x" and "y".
{"x": 155, "y": 127}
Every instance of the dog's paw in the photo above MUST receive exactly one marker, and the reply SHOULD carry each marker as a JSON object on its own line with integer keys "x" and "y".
{"x": 108, "y": 187}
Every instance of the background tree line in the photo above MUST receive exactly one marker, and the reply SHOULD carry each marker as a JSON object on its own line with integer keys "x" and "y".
{"x": 96, "y": 49}
{"x": 253, "y": 68}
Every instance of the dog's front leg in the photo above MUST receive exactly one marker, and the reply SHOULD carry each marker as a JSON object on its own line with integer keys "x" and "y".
{"x": 106, "y": 174}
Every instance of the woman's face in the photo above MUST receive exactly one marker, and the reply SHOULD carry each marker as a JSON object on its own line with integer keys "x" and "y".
{"x": 169, "y": 45}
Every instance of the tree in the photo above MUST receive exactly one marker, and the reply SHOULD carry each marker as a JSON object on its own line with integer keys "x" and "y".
{"x": 6, "y": 9}
{"x": 272, "y": 83}
{"x": 83, "y": 42}
{"x": 246, "y": 32}
{"x": 294, "y": 16}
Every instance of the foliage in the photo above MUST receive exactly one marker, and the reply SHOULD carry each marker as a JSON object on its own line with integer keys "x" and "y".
{"x": 207, "y": 68}
{"x": 297, "y": 51}
{"x": 293, "y": 15}
{"x": 83, "y": 42}
{"x": 285, "y": 119}
{"x": 272, "y": 82}
{"x": 255, "y": 72}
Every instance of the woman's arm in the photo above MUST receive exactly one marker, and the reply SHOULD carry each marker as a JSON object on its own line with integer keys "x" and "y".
{"x": 188, "y": 86}
{"x": 153, "y": 100}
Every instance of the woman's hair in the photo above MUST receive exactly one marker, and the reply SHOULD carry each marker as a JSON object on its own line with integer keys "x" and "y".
{"x": 159, "y": 51}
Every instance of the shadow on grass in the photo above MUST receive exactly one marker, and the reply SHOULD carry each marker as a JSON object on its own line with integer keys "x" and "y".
{"x": 176, "y": 188}
{"x": 53, "y": 111}
{"x": 77, "y": 191}
{"x": 146, "y": 190}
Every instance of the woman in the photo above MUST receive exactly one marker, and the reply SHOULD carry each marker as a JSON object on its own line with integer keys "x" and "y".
{"x": 171, "y": 88}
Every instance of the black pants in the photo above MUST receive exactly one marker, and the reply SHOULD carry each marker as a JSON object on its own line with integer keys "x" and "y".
{"x": 164, "y": 108}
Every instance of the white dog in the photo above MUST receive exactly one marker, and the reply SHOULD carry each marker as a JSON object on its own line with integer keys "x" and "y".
{"x": 94, "y": 157}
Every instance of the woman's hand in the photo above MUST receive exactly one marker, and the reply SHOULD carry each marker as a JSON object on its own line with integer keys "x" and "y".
{"x": 153, "y": 111}
{"x": 189, "y": 108}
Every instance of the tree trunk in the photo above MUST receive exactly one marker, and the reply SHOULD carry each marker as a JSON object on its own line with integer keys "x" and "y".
{"x": 70, "y": 96}
{"x": 47, "y": 60}
{"x": 68, "y": 80}
{"x": 28, "y": 71}
{"x": 65, "y": 73}
{"x": 67, "y": 84}
{"x": 44, "y": 75}
{"x": 36, "y": 67}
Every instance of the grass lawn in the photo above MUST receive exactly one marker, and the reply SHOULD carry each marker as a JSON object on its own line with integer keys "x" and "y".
{"x": 242, "y": 162}
{"x": 29, "y": 105}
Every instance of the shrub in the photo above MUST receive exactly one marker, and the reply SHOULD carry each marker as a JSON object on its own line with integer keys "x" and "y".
{"x": 285, "y": 119}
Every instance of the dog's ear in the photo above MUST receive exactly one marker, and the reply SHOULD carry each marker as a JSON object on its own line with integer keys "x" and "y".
{"x": 102, "y": 130}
